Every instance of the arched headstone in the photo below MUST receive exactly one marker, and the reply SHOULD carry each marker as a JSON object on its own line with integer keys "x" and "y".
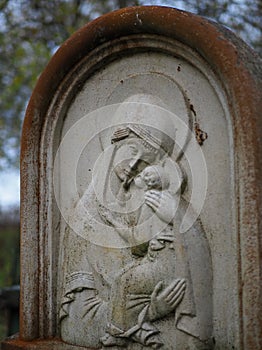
{"x": 141, "y": 189}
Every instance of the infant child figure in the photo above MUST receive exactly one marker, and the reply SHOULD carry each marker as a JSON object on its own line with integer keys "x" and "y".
{"x": 155, "y": 183}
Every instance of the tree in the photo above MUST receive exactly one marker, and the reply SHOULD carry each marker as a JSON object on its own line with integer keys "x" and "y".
{"x": 32, "y": 30}
{"x": 243, "y": 17}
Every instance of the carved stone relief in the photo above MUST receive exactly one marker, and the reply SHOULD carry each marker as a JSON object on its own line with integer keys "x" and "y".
{"x": 157, "y": 276}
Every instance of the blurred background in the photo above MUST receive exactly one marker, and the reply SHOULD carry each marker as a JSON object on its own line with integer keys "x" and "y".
{"x": 30, "y": 33}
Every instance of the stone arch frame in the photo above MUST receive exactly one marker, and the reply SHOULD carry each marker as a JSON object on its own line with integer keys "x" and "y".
{"x": 234, "y": 64}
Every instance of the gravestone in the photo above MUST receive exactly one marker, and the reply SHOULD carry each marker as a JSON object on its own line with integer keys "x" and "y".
{"x": 141, "y": 189}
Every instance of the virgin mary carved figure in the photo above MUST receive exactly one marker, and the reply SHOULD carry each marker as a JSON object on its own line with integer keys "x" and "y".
{"x": 136, "y": 281}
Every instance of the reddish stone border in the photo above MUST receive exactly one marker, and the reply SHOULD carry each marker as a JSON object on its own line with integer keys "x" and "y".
{"x": 239, "y": 70}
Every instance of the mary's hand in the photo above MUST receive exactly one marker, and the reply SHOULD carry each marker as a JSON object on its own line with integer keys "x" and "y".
{"x": 163, "y": 203}
{"x": 165, "y": 300}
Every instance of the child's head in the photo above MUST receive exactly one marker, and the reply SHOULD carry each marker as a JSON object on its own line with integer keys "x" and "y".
{"x": 155, "y": 178}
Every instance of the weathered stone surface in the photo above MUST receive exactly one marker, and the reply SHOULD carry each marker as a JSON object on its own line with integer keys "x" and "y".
{"x": 131, "y": 78}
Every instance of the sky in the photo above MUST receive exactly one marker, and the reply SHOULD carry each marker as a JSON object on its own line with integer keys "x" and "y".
{"x": 9, "y": 188}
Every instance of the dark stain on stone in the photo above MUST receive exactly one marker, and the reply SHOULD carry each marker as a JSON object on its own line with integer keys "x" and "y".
{"x": 201, "y": 135}
{"x": 192, "y": 109}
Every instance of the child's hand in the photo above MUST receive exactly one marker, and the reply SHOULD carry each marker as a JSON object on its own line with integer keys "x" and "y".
{"x": 163, "y": 203}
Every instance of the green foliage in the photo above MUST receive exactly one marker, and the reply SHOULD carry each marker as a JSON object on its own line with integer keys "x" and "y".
{"x": 9, "y": 255}
{"x": 3, "y": 325}
{"x": 32, "y": 30}
{"x": 9, "y": 264}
